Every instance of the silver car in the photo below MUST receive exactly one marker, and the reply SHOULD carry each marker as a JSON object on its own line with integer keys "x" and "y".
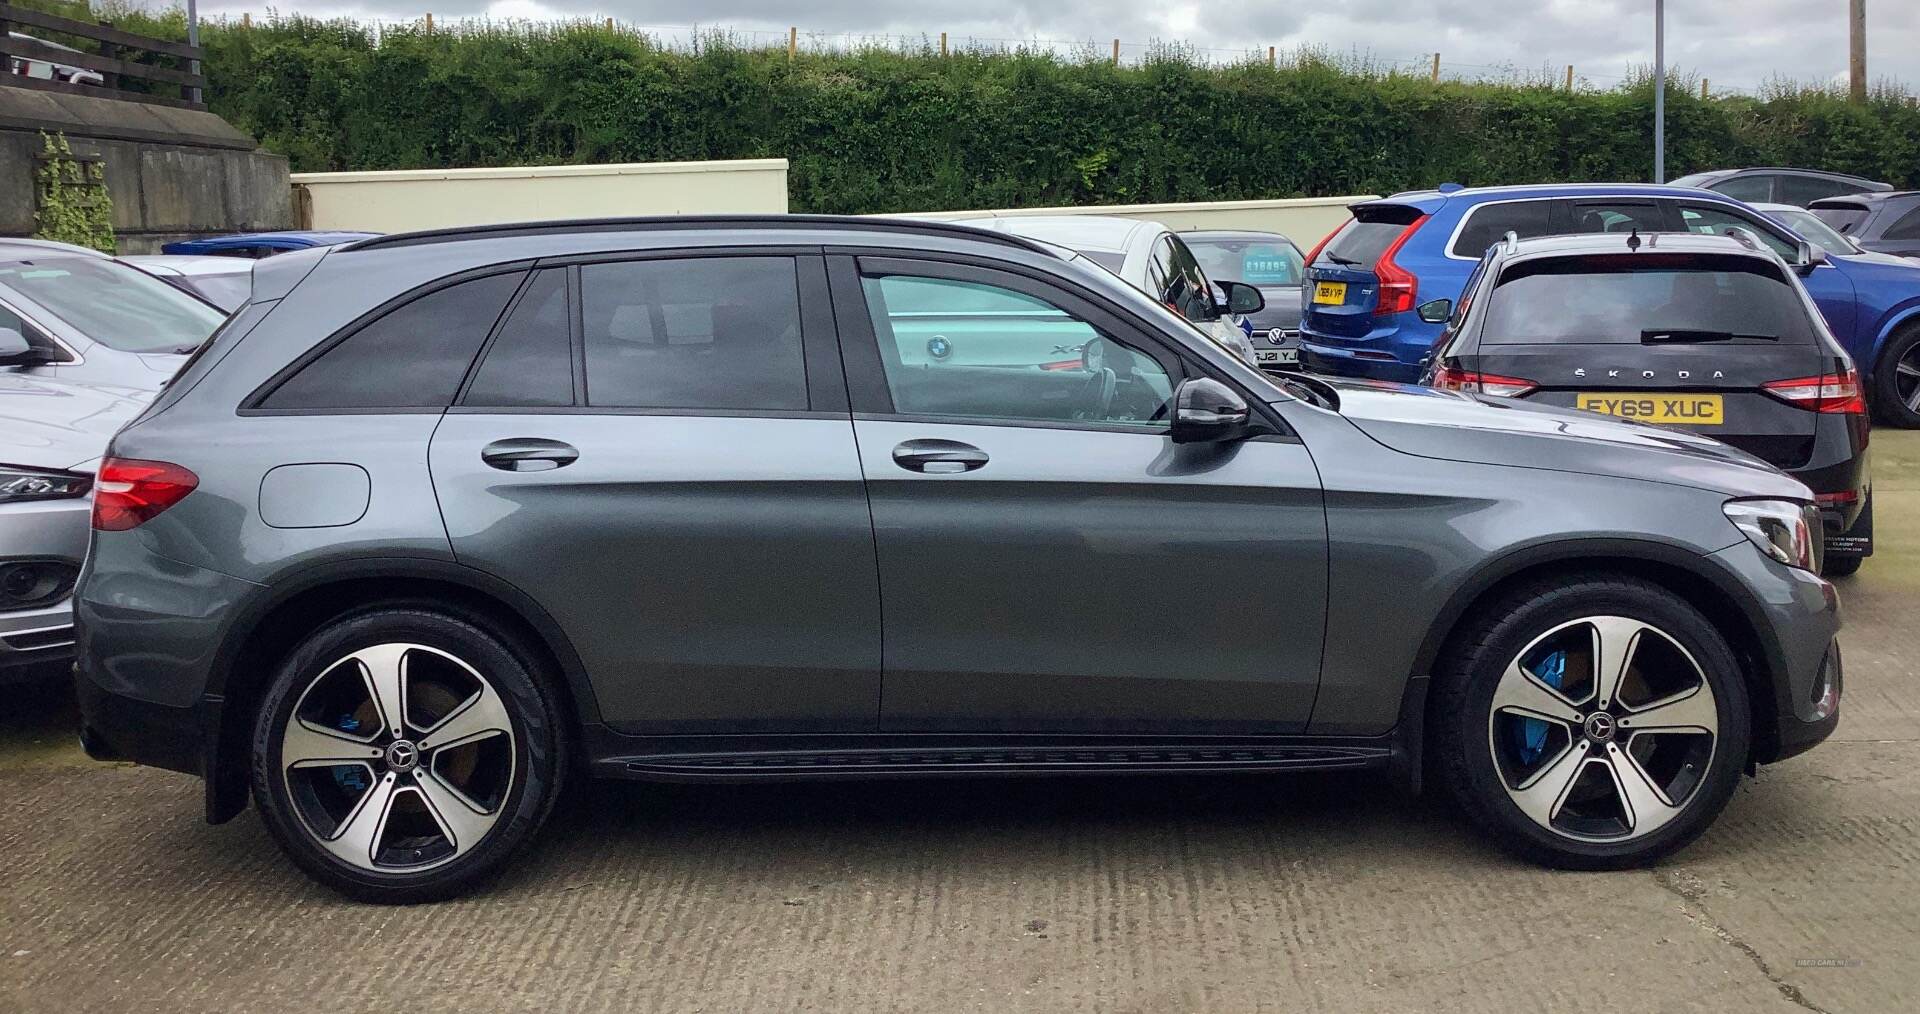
{"x": 223, "y": 281}
{"x": 85, "y": 342}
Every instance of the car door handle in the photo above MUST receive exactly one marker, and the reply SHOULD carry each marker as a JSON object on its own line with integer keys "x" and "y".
{"x": 938, "y": 457}
{"x": 528, "y": 454}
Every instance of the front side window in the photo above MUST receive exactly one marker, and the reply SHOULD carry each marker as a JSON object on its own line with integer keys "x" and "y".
{"x": 120, "y": 307}
{"x": 973, "y": 350}
{"x": 1489, "y": 224}
{"x": 414, "y": 356}
{"x": 1188, "y": 291}
{"x": 1717, "y": 222}
{"x": 720, "y": 333}
{"x": 1634, "y": 299}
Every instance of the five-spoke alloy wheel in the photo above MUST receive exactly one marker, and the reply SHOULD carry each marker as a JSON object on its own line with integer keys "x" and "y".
{"x": 1594, "y": 723}
{"x": 401, "y": 754}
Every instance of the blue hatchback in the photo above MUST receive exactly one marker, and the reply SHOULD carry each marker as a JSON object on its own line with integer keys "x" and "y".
{"x": 1367, "y": 282}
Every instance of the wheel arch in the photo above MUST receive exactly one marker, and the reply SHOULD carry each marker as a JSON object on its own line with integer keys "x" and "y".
{"x": 1718, "y": 595}
{"x": 263, "y": 633}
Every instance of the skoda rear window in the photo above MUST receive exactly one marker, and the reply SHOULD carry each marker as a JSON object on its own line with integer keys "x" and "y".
{"x": 1646, "y": 299}
{"x": 1359, "y": 243}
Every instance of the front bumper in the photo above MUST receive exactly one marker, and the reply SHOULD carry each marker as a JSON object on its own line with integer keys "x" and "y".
{"x": 1797, "y": 615}
{"x": 38, "y": 641}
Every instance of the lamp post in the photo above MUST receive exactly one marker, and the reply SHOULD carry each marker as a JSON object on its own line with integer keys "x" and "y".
{"x": 193, "y": 39}
{"x": 1659, "y": 91}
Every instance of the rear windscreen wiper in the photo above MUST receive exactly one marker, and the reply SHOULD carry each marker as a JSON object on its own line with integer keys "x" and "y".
{"x": 1682, "y": 335}
{"x": 1342, "y": 261}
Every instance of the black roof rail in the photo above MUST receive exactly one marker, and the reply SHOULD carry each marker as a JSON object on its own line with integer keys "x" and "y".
{"x": 662, "y": 223}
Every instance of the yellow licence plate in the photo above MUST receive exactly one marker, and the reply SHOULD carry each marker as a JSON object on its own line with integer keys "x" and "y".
{"x": 1332, "y": 293}
{"x": 1669, "y": 409}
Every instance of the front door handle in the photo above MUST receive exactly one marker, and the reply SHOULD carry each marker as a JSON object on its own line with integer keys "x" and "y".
{"x": 938, "y": 457}
{"x": 528, "y": 454}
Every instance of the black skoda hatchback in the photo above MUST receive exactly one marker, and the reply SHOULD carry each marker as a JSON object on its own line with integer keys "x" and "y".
{"x": 1713, "y": 334}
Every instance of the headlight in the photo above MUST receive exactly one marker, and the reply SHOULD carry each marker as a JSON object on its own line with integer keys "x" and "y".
{"x": 21, "y": 484}
{"x": 1778, "y": 527}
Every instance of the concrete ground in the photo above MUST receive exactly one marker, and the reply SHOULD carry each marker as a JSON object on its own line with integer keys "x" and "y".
{"x": 1229, "y": 894}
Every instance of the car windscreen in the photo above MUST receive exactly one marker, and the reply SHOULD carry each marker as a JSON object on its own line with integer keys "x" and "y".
{"x": 1645, "y": 299}
{"x": 1809, "y": 225}
{"x": 1844, "y": 218}
{"x": 1267, "y": 263}
{"x": 226, "y": 291}
{"x": 120, "y": 307}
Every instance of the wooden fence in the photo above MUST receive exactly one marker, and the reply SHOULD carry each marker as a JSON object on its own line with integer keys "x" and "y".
{"x": 122, "y": 55}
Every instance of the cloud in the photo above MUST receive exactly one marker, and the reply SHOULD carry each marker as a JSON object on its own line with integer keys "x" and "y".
{"x": 1737, "y": 45}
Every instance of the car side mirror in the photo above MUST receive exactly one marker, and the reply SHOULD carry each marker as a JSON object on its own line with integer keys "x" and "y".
{"x": 1807, "y": 257}
{"x": 14, "y": 350}
{"x": 1435, "y": 311}
{"x": 1243, "y": 298}
{"x": 1207, "y": 411}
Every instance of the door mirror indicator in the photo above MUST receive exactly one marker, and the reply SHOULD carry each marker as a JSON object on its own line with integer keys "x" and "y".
{"x": 1207, "y": 411}
{"x": 1435, "y": 311}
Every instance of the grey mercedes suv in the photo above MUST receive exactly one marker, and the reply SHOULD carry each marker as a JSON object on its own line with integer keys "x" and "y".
{"x": 443, "y": 520}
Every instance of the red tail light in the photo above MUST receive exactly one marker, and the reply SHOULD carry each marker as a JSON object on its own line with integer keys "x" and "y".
{"x": 1453, "y": 378}
{"x": 1399, "y": 289}
{"x": 129, "y": 492}
{"x": 1837, "y": 393}
{"x": 1841, "y": 498}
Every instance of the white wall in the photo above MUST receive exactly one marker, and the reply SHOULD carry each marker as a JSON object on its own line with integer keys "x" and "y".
{"x": 1302, "y": 219}
{"x": 405, "y": 200}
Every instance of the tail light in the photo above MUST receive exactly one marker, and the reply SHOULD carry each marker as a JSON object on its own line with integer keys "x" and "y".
{"x": 1840, "y": 499}
{"x": 129, "y": 492}
{"x": 1453, "y": 378}
{"x": 1399, "y": 289}
{"x": 1833, "y": 393}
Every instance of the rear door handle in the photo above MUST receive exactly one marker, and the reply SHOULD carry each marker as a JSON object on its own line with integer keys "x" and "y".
{"x": 528, "y": 454}
{"x": 938, "y": 457}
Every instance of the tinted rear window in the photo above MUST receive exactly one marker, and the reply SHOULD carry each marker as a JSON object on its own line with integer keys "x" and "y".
{"x": 413, "y": 357}
{"x": 1613, "y": 300}
{"x": 1843, "y": 217}
{"x": 1253, "y": 261}
{"x": 1489, "y": 223}
{"x": 1359, "y": 245}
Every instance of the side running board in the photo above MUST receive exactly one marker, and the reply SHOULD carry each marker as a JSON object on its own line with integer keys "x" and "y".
{"x": 884, "y": 763}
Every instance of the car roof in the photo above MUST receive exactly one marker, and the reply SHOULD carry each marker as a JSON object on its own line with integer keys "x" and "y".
{"x": 1605, "y": 243}
{"x": 1870, "y": 197}
{"x": 1523, "y": 190}
{"x": 1080, "y": 232}
{"x": 16, "y": 248}
{"x": 1253, "y": 235}
{"x": 191, "y": 264}
{"x": 291, "y": 239}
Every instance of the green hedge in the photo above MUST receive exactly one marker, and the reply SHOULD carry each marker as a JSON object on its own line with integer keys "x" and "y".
{"x": 886, "y": 131}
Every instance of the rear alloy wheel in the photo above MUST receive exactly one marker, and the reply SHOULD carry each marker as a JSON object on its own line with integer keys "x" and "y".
{"x": 402, "y": 755}
{"x": 1599, "y": 725}
{"x": 1897, "y": 381}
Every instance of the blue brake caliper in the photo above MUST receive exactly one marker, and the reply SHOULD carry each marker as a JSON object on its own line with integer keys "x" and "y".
{"x": 349, "y": 777}
{"x": 1552, "y": 671}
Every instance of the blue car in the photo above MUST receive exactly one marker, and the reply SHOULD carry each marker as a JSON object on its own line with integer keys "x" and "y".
{"x": 1367, "y": 281}
{"x": 264, "y": 244}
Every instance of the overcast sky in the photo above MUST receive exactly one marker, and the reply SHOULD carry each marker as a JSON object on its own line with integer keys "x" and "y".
{"x": 1736, "y": 44}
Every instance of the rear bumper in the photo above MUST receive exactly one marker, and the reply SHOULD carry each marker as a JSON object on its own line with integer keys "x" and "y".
{"x": 114, "y": 727}
{"x": 1366, "y": 364}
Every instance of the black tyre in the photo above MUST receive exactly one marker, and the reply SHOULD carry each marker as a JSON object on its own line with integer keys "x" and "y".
{"x": 1590, "y": 721}
{"x": 1896, "y": 381}
{"x": 403, "y": 755}
{"x": 1840, "y": 566}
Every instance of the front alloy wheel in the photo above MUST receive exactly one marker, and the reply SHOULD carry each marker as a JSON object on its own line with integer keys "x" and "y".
{"x": 402, "y": 754}
{"x": 1590, "y": 721}
{"x": 1601, "y": 728}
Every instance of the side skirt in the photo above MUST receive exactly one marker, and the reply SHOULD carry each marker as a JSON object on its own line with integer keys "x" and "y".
{"x": 878, "y": 757}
